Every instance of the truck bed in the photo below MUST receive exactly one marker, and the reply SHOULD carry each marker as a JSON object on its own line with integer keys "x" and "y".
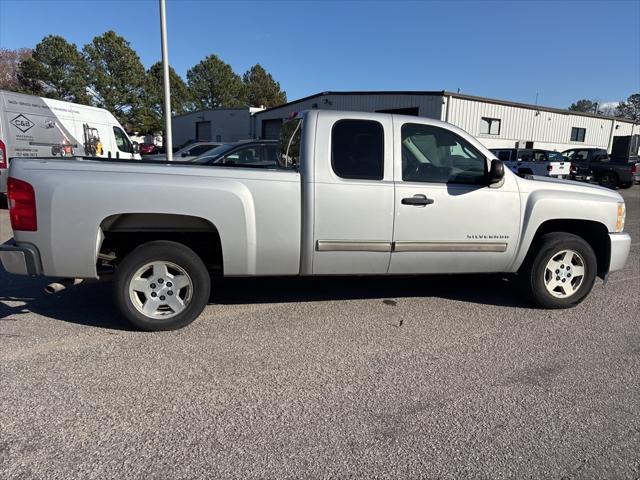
{"x": 261, "y": 207}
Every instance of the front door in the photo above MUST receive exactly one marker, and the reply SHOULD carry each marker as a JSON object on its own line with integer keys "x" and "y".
{"x": 353, "y": 212}
{"x": 124, "y": 147}
{"x": 447, "y": 219}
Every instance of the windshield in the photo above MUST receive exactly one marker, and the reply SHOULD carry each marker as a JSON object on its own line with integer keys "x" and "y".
{"x": 214, "y": 153}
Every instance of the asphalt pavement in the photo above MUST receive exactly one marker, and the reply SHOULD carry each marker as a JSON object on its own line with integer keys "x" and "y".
{"x": 420, "y": 377}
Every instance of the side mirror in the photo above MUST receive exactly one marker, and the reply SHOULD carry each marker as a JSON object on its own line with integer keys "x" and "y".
{"x": 496, "y": 171}
{"x": 136, "y": 147}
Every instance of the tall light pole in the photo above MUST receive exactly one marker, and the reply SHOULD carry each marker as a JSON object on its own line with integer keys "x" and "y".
{"x": 168, "y": 140}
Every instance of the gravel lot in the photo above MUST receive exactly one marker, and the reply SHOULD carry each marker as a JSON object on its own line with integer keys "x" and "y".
{"x": 438, "y": 377}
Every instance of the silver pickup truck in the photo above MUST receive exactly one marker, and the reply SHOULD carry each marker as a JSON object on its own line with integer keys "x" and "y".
{"x": 347, "y": 194}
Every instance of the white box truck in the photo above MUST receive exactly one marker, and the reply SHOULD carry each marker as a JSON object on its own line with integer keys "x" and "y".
{"x": 33, "y": 126}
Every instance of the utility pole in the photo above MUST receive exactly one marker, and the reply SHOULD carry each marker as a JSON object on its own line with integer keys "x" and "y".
{"x": 168, "y": 138}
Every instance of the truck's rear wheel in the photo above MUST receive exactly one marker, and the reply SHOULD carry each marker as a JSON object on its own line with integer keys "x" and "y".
{"x": 562, "y": 272}
{"x": 609, "y": 180}
{"x": 161, "y": 285}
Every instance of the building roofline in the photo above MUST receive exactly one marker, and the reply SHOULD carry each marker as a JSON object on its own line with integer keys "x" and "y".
{"x": 247, "y": 108}
{"x": 358, "y": 92}
{"x": 446, "y": 93}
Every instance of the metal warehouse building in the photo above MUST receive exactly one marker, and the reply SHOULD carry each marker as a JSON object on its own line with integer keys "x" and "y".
{"x": 222, "y": 125}
{"x": 496, "y": 123}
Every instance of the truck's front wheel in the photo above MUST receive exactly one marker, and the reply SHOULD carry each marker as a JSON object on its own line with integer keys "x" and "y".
{"x": 562, "y": 271}
{"x": 161, "y": 285}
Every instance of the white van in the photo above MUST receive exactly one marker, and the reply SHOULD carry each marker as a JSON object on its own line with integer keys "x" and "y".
{"x": 41, "y": 127}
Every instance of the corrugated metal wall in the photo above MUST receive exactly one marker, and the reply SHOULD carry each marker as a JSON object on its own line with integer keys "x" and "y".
{"x": 546, "y": 129}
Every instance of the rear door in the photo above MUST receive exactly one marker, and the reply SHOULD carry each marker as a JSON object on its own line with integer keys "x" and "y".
{"x": 447, "y": 218}
{"x": 354, "y": 194}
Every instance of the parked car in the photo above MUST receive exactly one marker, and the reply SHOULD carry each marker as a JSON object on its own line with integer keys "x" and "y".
{"x": 602, "y": 169}
{"x": 148, "y": 149}
{"x": 250, "y": 154}
{"x": 187, "y": 153}
{"x": 33, "y": 126}
{"x": 636, "y": 175}
{"x": 546, "y": 163}
{"x": 353, "y": 194}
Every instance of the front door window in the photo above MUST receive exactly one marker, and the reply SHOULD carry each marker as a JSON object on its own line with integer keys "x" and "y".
{"x": 122, "y": 141}
{"x": 436, "y": 155}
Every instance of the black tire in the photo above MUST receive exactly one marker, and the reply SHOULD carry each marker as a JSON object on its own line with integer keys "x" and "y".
{"x": 626, "y": 185}
{"x": 608, "y": 180}
{"x": 162, "y": 251}
{"x": 532, "y": 273}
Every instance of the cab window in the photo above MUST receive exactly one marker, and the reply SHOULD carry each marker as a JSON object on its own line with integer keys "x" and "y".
{"x": 436, "y": 155}
{"x": 122, "y": 141}
{"x": 579, "y": 155}
{"x": 504, "y": 155}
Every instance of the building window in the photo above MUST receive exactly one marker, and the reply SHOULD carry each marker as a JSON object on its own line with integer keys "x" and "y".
{"x": 577, "y": 134}
{"x": 490, "y": 126}
{"x": 219, "y": 138}
{"x": 357, "y": 149}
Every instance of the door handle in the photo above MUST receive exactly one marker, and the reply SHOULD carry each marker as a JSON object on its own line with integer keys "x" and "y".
{"x": 419, "y": 200}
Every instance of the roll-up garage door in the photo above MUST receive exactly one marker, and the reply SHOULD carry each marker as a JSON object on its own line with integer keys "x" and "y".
{"x": 203, "y": 131}
{"x": 271, "y": 129}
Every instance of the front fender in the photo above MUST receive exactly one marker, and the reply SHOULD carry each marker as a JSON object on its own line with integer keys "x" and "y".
{"x": 544, "y": 205}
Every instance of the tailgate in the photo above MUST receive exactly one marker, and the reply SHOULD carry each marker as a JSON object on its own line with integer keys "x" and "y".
{"x": 559, "y": 168}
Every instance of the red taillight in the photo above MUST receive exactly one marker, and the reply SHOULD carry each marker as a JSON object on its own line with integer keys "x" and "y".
{"x": 3, "y": 155}
{"x": 634, "y": 169}
{"x": 22, "y": 205}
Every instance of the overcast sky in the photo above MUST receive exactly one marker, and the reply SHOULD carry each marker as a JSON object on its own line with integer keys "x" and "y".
{"x": 508, "y": 50}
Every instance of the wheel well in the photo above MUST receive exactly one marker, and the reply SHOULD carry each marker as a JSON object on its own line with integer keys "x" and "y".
{"x": 607, "y": 172}
{"x": 594, "y": 233}
{"x": 124, "y": 232}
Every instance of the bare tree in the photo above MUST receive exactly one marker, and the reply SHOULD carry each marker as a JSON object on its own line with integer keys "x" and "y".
{"x": 9, "y": 62}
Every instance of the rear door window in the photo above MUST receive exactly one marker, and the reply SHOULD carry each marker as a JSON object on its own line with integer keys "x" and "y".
{"x": 357, "y": 149}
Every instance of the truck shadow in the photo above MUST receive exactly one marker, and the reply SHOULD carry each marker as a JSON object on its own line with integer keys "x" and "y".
{"x": 479, "y": 289}
{"x": 87, "y": 304}
{"x": 90, "y": 303}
